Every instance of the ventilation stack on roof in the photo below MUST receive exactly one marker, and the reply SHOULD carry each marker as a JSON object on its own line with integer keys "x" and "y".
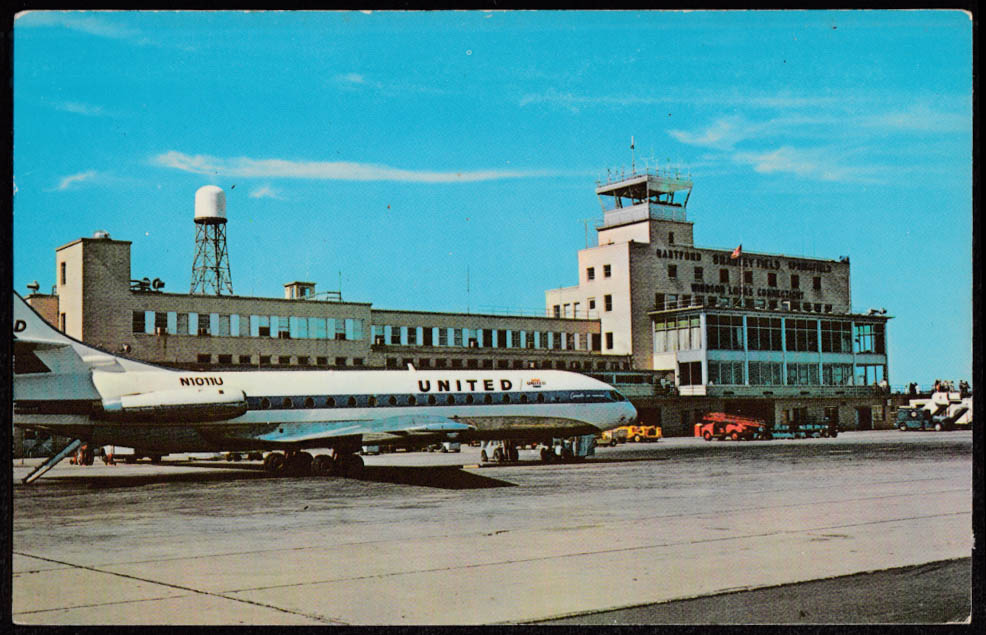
{"x": 210, "y": 269}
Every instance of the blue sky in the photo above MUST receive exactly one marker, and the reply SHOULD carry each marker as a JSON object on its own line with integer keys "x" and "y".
{"x": 396, "y": 151}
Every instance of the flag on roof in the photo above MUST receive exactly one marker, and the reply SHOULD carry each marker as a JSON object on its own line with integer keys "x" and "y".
{"x": 737, "y": 252}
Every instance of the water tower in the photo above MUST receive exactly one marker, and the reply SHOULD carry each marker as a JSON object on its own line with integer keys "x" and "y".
{"x": 210, "y": 270}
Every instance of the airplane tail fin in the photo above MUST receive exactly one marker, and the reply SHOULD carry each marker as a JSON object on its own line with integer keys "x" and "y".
{"x": 49, "y": 366}
{"x": 30, "y": 327}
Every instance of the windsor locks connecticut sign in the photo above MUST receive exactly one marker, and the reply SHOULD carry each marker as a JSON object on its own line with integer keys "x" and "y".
{"x": 768, "y": 263}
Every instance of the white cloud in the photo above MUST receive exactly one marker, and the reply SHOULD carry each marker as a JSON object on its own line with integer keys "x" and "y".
{"x": 77, "y": 21}
{"x": 80, "y": 108}
{"x": 245, "y": 167}
{"x": 73, "y": 179}
{"x": 266, "y": 191}
{"x": 819, "y": 163}
{"x": 921, "y": 118}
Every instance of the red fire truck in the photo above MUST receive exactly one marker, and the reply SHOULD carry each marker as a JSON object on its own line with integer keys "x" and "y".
{"x": 721, "y": 425}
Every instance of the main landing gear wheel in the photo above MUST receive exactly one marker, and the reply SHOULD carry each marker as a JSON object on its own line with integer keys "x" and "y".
{"x": 707, "y": 435}
{"x": 636, "y": 438}
{"x": 938, "y": 427}
{"x": 348, "y": 465}
{"x": 734, "y": 436}
{"x": 322, "y": 465}
{"x": 498, "y": 455}
{"x": 274, "y": 462}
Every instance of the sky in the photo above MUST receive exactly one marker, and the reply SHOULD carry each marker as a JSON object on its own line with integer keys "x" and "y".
{"x": 447, "y": 161}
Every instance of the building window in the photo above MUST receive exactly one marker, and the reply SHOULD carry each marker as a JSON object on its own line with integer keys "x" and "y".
{"x": 225, "y": 359}
{"x": 607, "y": 302}
{"x": 799, "y": 374}
{"x": 699, "y": 272}
{"x": 592, "y": 304}
{"x": 869, "y": 338}
{"x": 284, "y": 360}
{"x": 265, "y": 360}
{"x": 303, "y": 360}
{"x": 138, "y": 322}
{"x": 680, "y": 334}
{"x": 836, "y": 374}
{"x": 672, "y": 271}
{"x": 771, "y": 279}
{"x": 795, "y": 281}
{"x": 340, "y": 361}
{"x": 557, "y": 310}
{"x": 607, "y": 271}
{"x": 763, "y": 334}
{"x": 204, "y": 358}
{"x": 590, "y": 273}
{"x": 724, "y": 332}
{"x": 801, "y": 335}
{"x": 816, "y": 283}
{"x": 357, "y": 361}
{"x": 724, "y": 276}
{"x": 689, "y": 373}
{"x": 670, "y": 238}
{"x": 765, "y": 374}
{"x": 747, "y": 277}
{"x": 836, "y": 336}
{"x": 61, "y": 322}
{"x": 61, "y": 268}
{"x": 609, "y": 341}
{"x": 245, "y": 359}
{"x": 725, "y": 373}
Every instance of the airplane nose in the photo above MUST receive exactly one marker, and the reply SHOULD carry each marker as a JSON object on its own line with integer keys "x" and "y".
{"x": 629, "y": 414}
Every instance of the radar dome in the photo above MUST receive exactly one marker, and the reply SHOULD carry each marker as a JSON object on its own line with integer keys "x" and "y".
{"x": 210, "y": 205}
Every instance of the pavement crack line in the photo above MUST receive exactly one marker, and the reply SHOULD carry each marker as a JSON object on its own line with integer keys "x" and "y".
{"x": 593, "y": 553}
{"x": 485, "y": 533}
{"x": 178, "y": 587}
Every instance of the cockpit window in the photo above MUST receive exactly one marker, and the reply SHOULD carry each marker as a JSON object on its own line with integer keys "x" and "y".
{"x": 615, "y": 396}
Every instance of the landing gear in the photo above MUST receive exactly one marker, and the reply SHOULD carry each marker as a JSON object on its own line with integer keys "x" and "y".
{"x": 347, "y": 464}
{"x": 274, "y": 462}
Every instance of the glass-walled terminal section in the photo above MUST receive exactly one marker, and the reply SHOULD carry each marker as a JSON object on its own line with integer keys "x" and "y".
{"x": 723, "y": 351}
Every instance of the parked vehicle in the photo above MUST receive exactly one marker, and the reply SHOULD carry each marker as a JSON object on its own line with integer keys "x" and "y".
{"x": 721, "y": 425}
{"x": 921, "y": 419}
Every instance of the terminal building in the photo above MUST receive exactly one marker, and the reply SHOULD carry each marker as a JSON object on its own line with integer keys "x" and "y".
{"x": 681, "y": 330}
{"x": 768, "y": 335}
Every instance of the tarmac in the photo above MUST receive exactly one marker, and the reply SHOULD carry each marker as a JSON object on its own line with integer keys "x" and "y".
{"x": 635, "y": 535}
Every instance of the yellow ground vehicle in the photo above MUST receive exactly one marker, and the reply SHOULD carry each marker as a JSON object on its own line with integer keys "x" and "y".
{"x": 637, "y": 434}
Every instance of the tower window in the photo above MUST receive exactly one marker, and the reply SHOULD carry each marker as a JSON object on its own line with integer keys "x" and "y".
{"x": 724, "y": 276}
{"x": 607, "y": 271}
{"x": 699, "y": 272}
{"x": 608, "y": 302}
{"x": 748, "y": 277}
{"x": 62, "y": 272}
{"x": 670, "y": 238}
{"x": 609, "y": 341}
{"x": 590, "y": 273}
{"x": 795, "y": 281}
{"x": 816, "y": 283}
{"x": 771, "y": 279}
{"x": 672, "y": 271}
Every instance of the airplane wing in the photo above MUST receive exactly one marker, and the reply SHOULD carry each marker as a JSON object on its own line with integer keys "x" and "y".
{"x": 377, "y": 429}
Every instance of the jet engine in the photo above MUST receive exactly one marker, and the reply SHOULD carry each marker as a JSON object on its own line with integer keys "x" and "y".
{"x": 184, "y": 405}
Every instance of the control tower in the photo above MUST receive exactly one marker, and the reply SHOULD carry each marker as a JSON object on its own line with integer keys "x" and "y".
{"x": 646, "y": 207}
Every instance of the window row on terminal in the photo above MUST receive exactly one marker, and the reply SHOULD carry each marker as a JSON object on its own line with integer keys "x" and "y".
{"x": 306, "y": 361}
{"x": 352, "y": 329}
{"x": 737, "y": 333}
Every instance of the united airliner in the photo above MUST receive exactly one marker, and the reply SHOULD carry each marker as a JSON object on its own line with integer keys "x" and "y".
{"x": 70, "y": 389}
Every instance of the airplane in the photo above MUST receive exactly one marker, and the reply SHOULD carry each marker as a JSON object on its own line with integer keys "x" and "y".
{"x": 68, "y": 388}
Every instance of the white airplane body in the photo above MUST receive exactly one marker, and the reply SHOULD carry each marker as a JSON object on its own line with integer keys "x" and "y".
{"x": 70, "y": 389}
